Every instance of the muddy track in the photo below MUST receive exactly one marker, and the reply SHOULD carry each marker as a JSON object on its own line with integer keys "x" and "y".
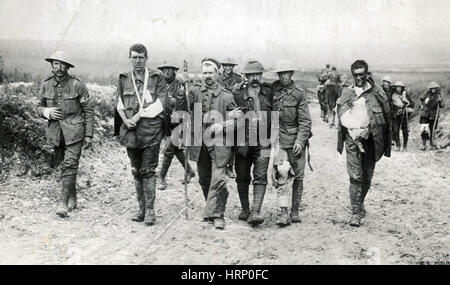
{"x": 407, "y": 220}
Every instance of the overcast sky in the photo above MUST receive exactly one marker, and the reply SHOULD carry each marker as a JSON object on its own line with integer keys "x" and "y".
{"x": 329, "y": 28}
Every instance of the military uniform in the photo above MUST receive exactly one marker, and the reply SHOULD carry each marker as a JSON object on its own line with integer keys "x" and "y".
{"x": 294, "y": 128}
{"x": 360, "y": 166}
{"x": 175, "y": 93}
{"x": 400, "y": 119}
{"x": 143, "y": 141}
{"x": 324, "y": 74}
{"x": 252, "y": 151}
{"x": 228, "y": 82}
{"x": 67, "y": 135}
{"x": 212, "y": 160}
{"x": 331, "y": 94}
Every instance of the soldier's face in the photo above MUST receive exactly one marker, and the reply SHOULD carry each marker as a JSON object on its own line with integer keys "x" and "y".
{"x": 138, "y": 61}
{"x": 399, "y": 89}
{"x": 228, "y": 68}
{"x": 386, "y": 84}
{"x": 285, "y": 77}
{"x": 209, "y": 74}
{"x": 254, "y": 79}
{"x": 168, "y": 72}
{"x": 59, "y": 68}
{"x": 360, "y": 77}
{"x": 433, "y": 90}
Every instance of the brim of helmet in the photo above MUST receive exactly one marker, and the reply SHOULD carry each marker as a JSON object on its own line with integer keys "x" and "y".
{"x": 253, "y": 71}
{"x": 284, "y": 70}
{"x": 167, "y": 66}
{"x": 53, "y": 59}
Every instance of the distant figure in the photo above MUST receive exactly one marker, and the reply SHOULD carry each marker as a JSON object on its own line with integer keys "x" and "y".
{"x": 386, "y": 84}
{"x": 65, "y": 103}
{"x": 228, "y": 79}
{"x": 332, "y": 94}
{"x": 431, "y": 101}
{"x": 375, "y": 138}
{"x": 401, "y": 105}
{"x": 323, "y": 76}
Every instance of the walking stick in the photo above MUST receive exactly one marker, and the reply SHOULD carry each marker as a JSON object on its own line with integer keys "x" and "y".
{"x": 186, "y": 153}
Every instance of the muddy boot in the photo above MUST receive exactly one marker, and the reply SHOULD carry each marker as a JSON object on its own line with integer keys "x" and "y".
{"x": 355, "y": 200}
{"x": 162, "y": 183}
{"x": 283, "y": 219}
{"x": 363, "y": 212}
{"x": 297, "y": 191}
{"x": 405, "y": 142}
{"x": 139, "y": 217}
{"x": 65, "y": 195}
{"x": 245, "y": 204}
{"x": 73, "y": 204}
{"x": 149, "y": 198}
{"x": 255, "y": 217}
{"x": 219, "y": 223}
{"x": 190, "y": 175}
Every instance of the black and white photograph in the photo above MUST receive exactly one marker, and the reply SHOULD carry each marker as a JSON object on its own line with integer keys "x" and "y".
{"x": 212, "y": 132}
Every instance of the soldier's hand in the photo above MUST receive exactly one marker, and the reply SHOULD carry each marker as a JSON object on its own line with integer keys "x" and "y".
{"x": 364, "y": 135}
{"x": 216, "y": 128}
{"x": 55, "y": 113}
{"x": 87, "y": 142}
{"x": 130, "y": 124}
{"x": 297, "y": 149}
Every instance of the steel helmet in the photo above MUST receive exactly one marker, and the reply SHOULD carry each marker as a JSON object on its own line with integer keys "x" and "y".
{"x": 387, "y": 78}
{"x": 400, "y": 84}
{"x": 59, "y": 56}
{"x": 166, "y": 64}
{"x": 229, "y": 61}
{"x": 284, "y": 65}
{"x": 253, "y": 66}
{"x": 433, "y": 85}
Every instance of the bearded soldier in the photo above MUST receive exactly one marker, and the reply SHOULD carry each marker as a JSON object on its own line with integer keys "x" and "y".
{"x": 173, "y": 88}
{"x": 294, "y": 131}
{"x": 228, "y": 79}
{"x": 64, "y": 102}
{"x": 375, "y": 138}
{"x": 141, "y": 116}
{"x": 217, "y": 107}
{"x": 253, "y": 141}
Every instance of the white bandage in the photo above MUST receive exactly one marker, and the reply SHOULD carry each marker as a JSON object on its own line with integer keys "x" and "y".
{"x": 152, "y": 110}
{"x": 120, "y": 105}
{"x": 47, "y": 113}
{"x": 209, "y": 62}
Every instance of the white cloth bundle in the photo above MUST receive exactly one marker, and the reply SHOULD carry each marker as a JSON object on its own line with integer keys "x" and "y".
{"x": 356, "y": 118}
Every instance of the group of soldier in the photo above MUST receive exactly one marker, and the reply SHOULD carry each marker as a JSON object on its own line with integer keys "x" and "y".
{"x": 330, "y": 87}
{"x": 154, "y": 104}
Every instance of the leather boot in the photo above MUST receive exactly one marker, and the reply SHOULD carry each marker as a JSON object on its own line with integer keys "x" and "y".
{"x": 297, "y": 191}
{"x": 424, "y": 144}
{"x": 405, "y": 142}
{"x": 167, "y": 161}
{"x": 65, "y": 195}
{"x": 149, "y": 184}
{"x": 283, "y": 219}
{"x": 138, "y": 184}
{"x": 255, "y": 218}
{"x": 73, "y": 204}
{"x": 355, "y": 200}
{"x": 188, "y": 171}
{"x": 365, "y": 189}
{"x": 243, "y": 197}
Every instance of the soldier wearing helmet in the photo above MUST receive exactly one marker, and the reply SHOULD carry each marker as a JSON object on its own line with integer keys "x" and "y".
{"x": 228, "y": 79}
{"x": 431, "y": 101}
{"x": 172, "y": 89}
{"x": 386, "y": 84}
{"x": 401, "y": 107}
{"x": 65, "y": 103}
{"x": 253, "y": 141}
{"x": 324, "y": 75}
{"x": 293, "y": 138}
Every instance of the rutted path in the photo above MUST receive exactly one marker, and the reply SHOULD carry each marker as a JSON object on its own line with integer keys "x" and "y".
{"x": 407, "y": 221}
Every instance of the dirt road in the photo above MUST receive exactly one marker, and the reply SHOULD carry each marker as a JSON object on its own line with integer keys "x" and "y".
{"x": 407, "y": 221}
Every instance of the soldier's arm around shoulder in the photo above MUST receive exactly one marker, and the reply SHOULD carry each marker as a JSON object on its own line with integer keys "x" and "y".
{"x": 304, "y": 118}
{"x": 87, "y": 107}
